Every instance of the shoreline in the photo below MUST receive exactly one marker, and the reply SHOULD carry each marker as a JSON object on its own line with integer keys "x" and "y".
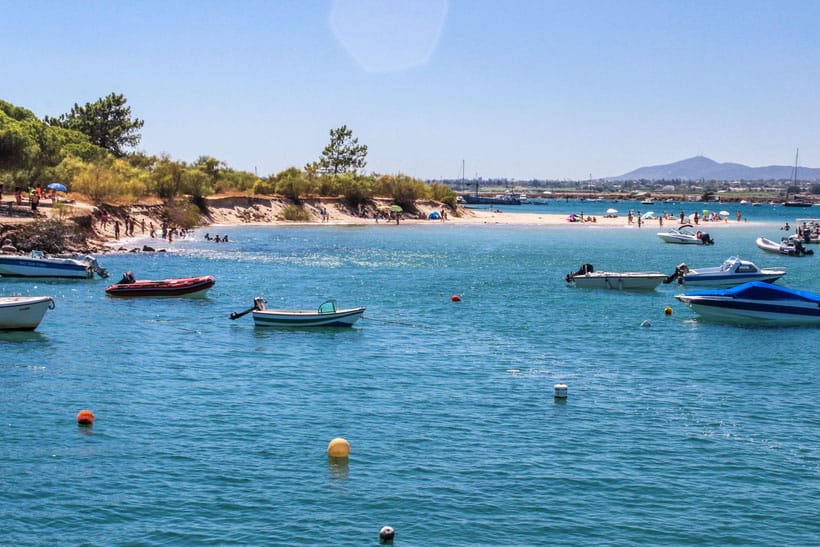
{"x": 231, "y": 211}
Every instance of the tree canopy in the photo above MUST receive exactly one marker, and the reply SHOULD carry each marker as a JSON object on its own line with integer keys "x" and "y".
{"x": 341, "y": 155}
{"x": 107, "y": 122}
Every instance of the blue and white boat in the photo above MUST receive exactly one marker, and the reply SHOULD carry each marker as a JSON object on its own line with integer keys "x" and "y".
{"x": 328, "y": 315}
{"x": 756, "y": 302}
{"x": 733, "y": 271}
{"x": 37, "y": 264}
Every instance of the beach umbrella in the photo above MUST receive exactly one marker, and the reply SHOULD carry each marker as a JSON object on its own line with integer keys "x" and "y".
{"x": 396, "y": 208}
{"x": 724, "y": 213}
{"x": 57, "y": 186}
{"x": 611, "y": 211}
{"x": 648, "y": 214}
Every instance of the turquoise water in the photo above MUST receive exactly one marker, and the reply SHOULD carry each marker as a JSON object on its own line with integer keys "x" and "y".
{"x": 211, "y": 431}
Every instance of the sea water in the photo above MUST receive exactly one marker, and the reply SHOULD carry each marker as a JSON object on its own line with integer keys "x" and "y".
{"x": 212, "y": 431}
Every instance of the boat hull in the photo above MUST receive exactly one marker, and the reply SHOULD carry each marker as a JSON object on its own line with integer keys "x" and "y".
{"x": 726, "y": 281}
{"x": 627, "y": 281}
{"x": 23, "y": 266}
{"x": 307, "y": 318}
{"x": 23, "y": 312}
{"x": 185, "y": 286}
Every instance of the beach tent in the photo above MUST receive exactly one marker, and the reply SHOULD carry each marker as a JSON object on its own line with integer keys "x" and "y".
{"x": 434, "y": 215}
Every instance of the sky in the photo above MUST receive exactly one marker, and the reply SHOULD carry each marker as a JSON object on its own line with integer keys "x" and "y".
{"x": 513, "y": 89}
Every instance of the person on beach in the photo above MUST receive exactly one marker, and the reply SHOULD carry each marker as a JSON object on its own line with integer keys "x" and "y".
{"x": 116, "y": 229}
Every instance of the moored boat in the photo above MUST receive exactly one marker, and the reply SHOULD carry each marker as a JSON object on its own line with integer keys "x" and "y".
{"x": 37, "y": 264}
{"x": 733, "y": 271}
{"x": 785, "y": 247}
{"x": 182, "y": 286}
{"x": 23, "y": 312}
{"x": 686, "y": 234}
{"x": 327, "y": 315}
{"x": 587, "y": 278}
{"x": 756, "y": 302}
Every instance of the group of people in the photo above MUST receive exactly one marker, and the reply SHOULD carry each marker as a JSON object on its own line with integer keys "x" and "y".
{"x": 216, "y": 238}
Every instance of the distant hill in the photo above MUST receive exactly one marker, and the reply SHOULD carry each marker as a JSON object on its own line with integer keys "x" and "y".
{"x": 700, "y": 167}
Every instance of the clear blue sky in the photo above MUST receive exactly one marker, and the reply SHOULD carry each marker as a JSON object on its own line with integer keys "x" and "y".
{"x": 516, "y": 89}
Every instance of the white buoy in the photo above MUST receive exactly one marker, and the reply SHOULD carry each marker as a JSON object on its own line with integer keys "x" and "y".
{"x": 386, "y": 535}
{"x": 646, "y": 323}
{"x": 560, "y": 391}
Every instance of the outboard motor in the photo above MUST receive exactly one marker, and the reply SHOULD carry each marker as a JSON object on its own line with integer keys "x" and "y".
{"x": 127, "y": 278}
{"x": 800, "y": 250}
{"x": 259, "y": 303}
{"x": 585, "y": 269}
{"x": 680, "y": 270}
{"x": 707, "y": 239}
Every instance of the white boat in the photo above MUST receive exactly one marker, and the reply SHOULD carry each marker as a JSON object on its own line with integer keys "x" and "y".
{"x": 37, "y": 264}
{"x": 785, "y": 247}
{"x": 733, "y": 271}
{"x": 756, "y": 302}
{"x": 808, "y": 230}
{"x": 587, "y": 278}
{"x": 327, "y": 315}
{"x": 23, "y": 312}
{"x": 686, "y": 234}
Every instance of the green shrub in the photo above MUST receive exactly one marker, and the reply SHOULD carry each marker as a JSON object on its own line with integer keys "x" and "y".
{"x": 294, "y": 213}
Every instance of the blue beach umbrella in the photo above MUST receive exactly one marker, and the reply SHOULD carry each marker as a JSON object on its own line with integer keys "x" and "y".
{"x": 57, "y": 186}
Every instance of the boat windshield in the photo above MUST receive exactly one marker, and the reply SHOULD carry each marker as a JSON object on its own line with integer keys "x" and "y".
{"x": 328, "y": 307}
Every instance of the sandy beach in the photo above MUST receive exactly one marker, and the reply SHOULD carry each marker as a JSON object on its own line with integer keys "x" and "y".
{"x": 238, "y": 210}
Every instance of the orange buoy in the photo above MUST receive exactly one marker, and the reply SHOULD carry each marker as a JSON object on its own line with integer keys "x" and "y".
{"x": 455, "y": 298}
{"x": 338, "y": 448}
{"x": 85, "y": 417}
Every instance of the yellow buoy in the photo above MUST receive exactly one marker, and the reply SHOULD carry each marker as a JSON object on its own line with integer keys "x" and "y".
{"x": 338, "y": 448}
{"x": 667, "y": 310}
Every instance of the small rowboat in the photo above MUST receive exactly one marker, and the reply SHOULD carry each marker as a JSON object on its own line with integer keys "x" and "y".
{"x": 328, "y": 315}
{"x": 23, "y": 312}
{"x": 182, "y": 286}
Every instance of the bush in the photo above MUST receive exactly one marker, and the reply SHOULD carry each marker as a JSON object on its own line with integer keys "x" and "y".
{"x": 294, "y": 213}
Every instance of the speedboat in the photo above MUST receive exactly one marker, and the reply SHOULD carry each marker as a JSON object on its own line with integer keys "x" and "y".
{"x": 587, "y": 278}
{"x": 181, "y": 286}
{"x": 733, "y": 271}
{"x": 23, "y": 312}
{"x": 686, "y": 235}
{"x": 756, "y": 302}
{"x": 327, "y": 315}
{"x": 37, "y": 264}
{"x": 785, "y": 247}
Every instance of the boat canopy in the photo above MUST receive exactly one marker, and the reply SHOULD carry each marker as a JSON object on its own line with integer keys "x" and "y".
{"x": 759, "y": 290}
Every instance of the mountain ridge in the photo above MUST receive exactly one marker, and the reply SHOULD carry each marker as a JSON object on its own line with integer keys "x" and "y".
{"x": 701, "y": 167}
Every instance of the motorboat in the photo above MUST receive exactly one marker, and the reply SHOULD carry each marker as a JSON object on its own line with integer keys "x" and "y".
{"x": 756, "y": 302}
{"x": 587, "y": 278}
{"x": 686, "y": 234}
{"x": 327, "y": 315}
{"x": 785, "y": 247}
{"x": 808, "y": 230}
{"x": 181, "y": 286}
{"x": 733, "y": 271}
{"x": 37, "y": 264}
{"x": 23, "y": 312}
